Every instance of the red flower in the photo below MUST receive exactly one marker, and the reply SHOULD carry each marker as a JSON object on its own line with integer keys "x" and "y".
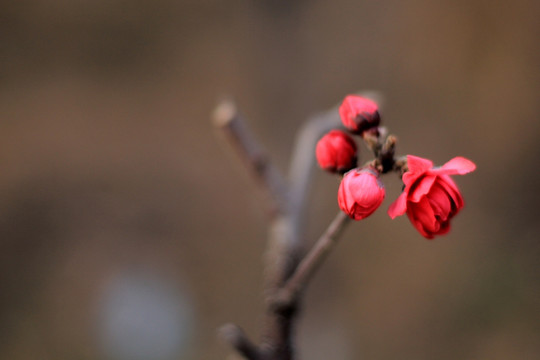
{"x": 359, "y": 114}
{"x": 360, "y": 193}
{"x": 336, "y": 152}
{"x": 431, "y": 198}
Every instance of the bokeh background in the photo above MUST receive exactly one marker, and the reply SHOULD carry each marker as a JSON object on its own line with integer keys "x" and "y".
{"x": 128, "y": 231}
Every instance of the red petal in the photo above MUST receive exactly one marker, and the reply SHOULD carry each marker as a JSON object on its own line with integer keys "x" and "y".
{"x": 365, "y": 189}
{"x": 410, "y": 178}
{"x": 344, "y": 198}
{"x": 451, "y": 188}
{"x": 417, "y": 164}
{"x": 398, "y": 207}
{"x": 445, "y": 227}
{"x": 456, "y": 166}
{"x": 421, "y": 188}
{"x": 423, "y": 216}
{"x": 417, "y": 224}
{"x": 440, "y": 202}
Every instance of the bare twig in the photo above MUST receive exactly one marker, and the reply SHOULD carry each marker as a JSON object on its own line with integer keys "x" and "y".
{"x": 235, "y": 336}
{"x": 285, "y": 274}
{"x": 281, "y": 255}
{"x": 298, "y": 280}
{"x": 227, "y": 118}
{"x": 303, "y": 163}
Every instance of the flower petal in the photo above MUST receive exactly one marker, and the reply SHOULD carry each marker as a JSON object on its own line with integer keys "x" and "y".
{"x": 445, "y": 228}
{"x": 398, "y": 207}
{"x": 440, "y": 202}
{"x": 418, "y": 225}
{"x": 451, "y": 188}
{"x": 456, "y": 166}
{"x": 344, "y": 198}
{"x": 421, "y": 187}
{"x": 409, "y": 178}
{"x": 417, "y": 164}
{"x": 422, "y": 216}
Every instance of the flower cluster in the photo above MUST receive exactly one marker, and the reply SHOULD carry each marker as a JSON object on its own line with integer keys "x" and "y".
{"x": 430, "y": 198}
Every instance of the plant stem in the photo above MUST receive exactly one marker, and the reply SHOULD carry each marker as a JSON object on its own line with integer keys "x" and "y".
{"x": 289, "y": 293}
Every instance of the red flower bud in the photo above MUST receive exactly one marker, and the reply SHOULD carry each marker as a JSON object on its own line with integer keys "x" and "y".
{"x": 359, "y": 114}
{"x": 360, "y": 193}
{"x": 336, "y": 152}
{"x": 430, "y": 197}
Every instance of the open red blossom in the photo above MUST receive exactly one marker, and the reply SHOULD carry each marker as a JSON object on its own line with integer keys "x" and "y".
{"x": 359, "y": 114}
{"x": 431, "y": 198}
{"x": 360, "y": 193}
{"x": 336, "y": 152}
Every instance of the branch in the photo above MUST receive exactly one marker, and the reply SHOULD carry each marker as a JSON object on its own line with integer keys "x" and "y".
{"x": 280, "y": 257}
{"x": 285, "y": 274}
{"x": 228, "y": 120}
{"x": 235, "y": 336}
{"x": 289, "y": 293}
{"x": 303, "y": 163}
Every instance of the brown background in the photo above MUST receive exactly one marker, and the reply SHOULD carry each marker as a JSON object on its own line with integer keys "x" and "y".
{"x": 108, "y": 162}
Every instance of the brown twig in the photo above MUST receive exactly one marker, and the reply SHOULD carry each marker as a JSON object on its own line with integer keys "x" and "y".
{"x": 281, "y": 250}
{"x": 302, "y": 164}
{"x": 285, "y": 274}
{"x": 227, "y": 118}
{"x": 235, "y": 336}
{"x": 296, "y": 283}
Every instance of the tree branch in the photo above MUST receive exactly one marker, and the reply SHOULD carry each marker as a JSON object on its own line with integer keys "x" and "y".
{"x": 303, "y": 163}
{"x": 227, "y": 118}
{"x": 285, "y": 274}
{"x": 235, "y": 336}
{"x": 289, "y": 293}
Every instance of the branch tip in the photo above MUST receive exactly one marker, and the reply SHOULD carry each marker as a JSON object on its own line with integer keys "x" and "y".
{"x": 224, "y": 113}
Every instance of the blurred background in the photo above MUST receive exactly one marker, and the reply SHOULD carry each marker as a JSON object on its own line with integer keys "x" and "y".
{"x": 129, "y": 231}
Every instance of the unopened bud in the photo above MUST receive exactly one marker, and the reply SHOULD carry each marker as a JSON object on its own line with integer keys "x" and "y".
{"x": 359, "y": 114}
{"x": 336, "y": 152}
{"x": 360, "y": 193}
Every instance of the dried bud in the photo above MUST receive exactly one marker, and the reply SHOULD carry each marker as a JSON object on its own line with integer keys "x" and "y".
{"x": 336, "y": 152}
{"x": 360, "y": 193}
{"x": 359, "y": 114}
